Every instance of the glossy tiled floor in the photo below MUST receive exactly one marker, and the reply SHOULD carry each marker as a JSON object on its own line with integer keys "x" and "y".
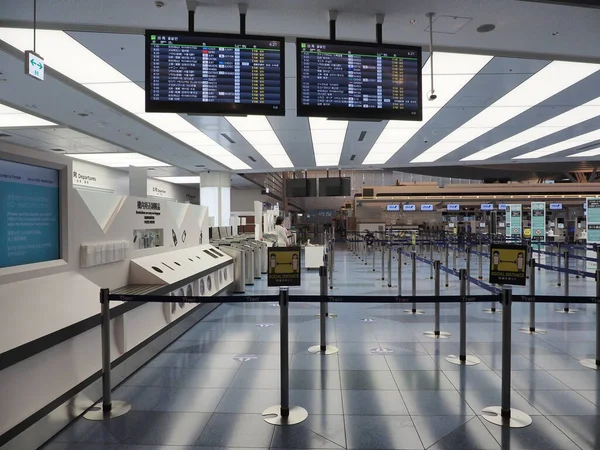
{"x": 196, "y": 395}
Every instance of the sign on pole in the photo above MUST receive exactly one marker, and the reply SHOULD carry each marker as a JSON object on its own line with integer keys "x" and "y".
{"x": 593, "y": 220}
{"x": 507, "y": 228}
{"x": 516, "y": 224}
{"x": 508, "y": 264}
{"x": 538, "y": 221}
{"x": 284, "y": 266}
{"x": 34, "y": 65}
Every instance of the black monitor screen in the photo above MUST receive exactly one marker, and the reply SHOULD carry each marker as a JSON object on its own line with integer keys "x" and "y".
{"x": 358, "y": 80}
{"x": 214, "y": 73}
{"x": 334, "y": 187}
{"x": 302, "y": 187}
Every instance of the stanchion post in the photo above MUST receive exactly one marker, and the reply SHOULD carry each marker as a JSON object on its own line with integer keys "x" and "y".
{"x": 558, "y": 274}
{"x": 436, "y": 333}
{"x": 399, "y": 270}
{"x": 446, "y": 256}
{"x": 595, "y": 363}
{"x": 566, "y": 263}
{"x": 504, "y": 415}
{"x": 383, "y": 262}
{"x": 374, "y": 252}
{"x": 431, "y": 260}
{"x": 323, "y": 348}
{"x": 468, "y": 255}
{"x": 389, "y": 268}
{"x": 480, "y": 253}
{"x": 413, "y": 261}
{"x": 454, "y": 258}
{"x": 532, "y": 280}
{"x": 284, "y": 414}
{"x": 331, "y": 266}
{"x": 463, "y": 359}
{"x": 109, "y": 408}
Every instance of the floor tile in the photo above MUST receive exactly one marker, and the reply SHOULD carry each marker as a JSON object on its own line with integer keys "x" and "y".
{"x": 560, "y": 403}
{"x": 578, "y": 380}
{"x": 381, "y": 432}
{"x": 320, "y": 402}
{"x": 433, "y": 428}
{"x": 320, "y": 432}
{"x": 436, "y": 403}
{"x": 466, "y": 379}
{"x": 236, "y": 430}
{"x": 472, "y": 435}
{"x": 248, "y": 401}
{"x": 373, "y": 402}
{"x": 364, "y": 379}
{"x": 583, "y": 430}
{"x": 421, "y": 380}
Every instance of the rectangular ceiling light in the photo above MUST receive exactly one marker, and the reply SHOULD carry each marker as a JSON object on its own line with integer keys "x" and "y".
{"x": 452, "y": 71}
{"x": 259, "y": 133}
{"x": 13, "y": 118}
{"x": 181, "y": 180}
{"x": 119, "y": 160}
{"x": 576, "y": 141}
{"x": 565, "y": 120}
{"x": 552, "y": 79}
{"x": 67, "y": 56}
{"x": 328, "y": 138}
{"x": 586, "y": 154}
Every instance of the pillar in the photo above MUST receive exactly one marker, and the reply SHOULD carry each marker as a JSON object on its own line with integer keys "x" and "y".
{"x": 215, "y": 193}
{"x": 138, "y": 182}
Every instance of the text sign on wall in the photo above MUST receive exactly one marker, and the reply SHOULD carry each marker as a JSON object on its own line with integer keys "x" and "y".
{"x": 487, "y": 207}
{"x": 453, "y": 207}
{"x": 408, "y": 207}
{"x": 555, "y": 206}
{"x": 538, "y": 220}
{"x": 426, "y": 207}
{"x": 284, "y": 266}
{"x": 593, "y": 220}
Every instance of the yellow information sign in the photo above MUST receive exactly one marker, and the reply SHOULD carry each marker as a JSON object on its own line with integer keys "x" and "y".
{"x": 508, "y": 264}
{"x": 284, "y": 266}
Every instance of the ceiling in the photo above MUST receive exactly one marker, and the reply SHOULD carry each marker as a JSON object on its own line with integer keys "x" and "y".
{"x": 501, "y": 95}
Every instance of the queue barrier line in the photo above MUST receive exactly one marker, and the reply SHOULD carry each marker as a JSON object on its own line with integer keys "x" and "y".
{"x": 568, "y": 271}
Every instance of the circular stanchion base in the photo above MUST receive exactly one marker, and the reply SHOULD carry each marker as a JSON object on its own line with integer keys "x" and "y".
{"x": 273, "y": 415}
{"x": 439, "y": 335}
{"x": 470, "y": 360}
{"x": 517, "y": 419}
{"x": 414, "y": 311}
{"x": 96, "y": 412}
{"x": 527, "y": 330}
{"x": 566, "y": 311}
{"x": 329, "y": 350}
{"x": 492, "y": 311}
{"x": 590, "y": 364}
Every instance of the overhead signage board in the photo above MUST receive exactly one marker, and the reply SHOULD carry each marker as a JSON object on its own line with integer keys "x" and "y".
{"x": 34, "y": 65}
{"x": 593, "y": 220}
{"x": 426, "y": 207}
{"x": 508, "y": 264}
{"x": 408, "y": 208}
{"x": 502, "y": 206}
{"x": 538, "y": 220}
{"x": 284, "y": 266}
{"x": 453, "y": 207}
{"x": 556, "y": 206}
{"x": 487, "y": 207}
{"x": 393, "y": 208}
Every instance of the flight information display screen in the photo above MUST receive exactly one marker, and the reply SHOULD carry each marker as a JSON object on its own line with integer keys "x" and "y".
{"x": 359, "y": 80}
{"x": 214, "y": 73}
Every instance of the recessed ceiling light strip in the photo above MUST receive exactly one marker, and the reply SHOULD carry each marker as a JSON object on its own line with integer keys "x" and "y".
{"x": 328, "y": 138}
{"x": 452, "y": 71}
{"x": 552, "y": 79}
{"x": 67, "y": 56}
{"x": 576, "y": 141}
{"x": 118, "y": 160}
{"x": 561, "y": 122}
{"x": 259, "y": 133}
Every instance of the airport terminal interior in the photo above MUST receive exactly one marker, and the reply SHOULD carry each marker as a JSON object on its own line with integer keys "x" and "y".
{"x": 299, "y": 224}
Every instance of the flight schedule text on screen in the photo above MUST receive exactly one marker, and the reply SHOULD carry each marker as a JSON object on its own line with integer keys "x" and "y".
{"x": 360, "y": 79}
{"x": 191, "y": 72}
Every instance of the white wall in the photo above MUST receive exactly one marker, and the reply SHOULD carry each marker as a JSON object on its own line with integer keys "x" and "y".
{"x": 242, "y": 200}
{"x": 38, "y": 299}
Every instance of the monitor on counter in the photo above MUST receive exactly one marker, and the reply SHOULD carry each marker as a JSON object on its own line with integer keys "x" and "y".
{"x": 31, "y": 212}
{"x": 354, "y": 80}
{"x": 208, "y": 73}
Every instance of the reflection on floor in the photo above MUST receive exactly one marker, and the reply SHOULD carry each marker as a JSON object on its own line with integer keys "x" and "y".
{"x": 198, "y": 395}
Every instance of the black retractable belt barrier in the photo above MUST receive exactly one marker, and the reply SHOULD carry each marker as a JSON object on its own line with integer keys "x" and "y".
{"x": 109, "y": 409}
{"x": 284, "y": 414}
{"x": 504, "y": 415}
{"x": 463, "y": 359}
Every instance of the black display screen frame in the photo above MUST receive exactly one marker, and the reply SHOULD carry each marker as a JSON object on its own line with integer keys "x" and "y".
{"x": 336, "y": 112}
{"x": 212, "y": 108}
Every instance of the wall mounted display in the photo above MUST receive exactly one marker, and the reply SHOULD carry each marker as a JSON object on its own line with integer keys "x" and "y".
{"x": 30, "y": 214}
{"x": 409, "y": 208}
{"x": 426, "y": 207}
{"x": 301, "y": 187}
{"x": 453, "y": 207}
{"x": 392, "y": 208}
{"x": 487, "y": 207}
{"x": 556, "y": 206}
{"x": 358, "y": 80}
{"x": 334, "y": 187}
{"x": 502, "y": 206}
{"x": 207, "y": 73}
